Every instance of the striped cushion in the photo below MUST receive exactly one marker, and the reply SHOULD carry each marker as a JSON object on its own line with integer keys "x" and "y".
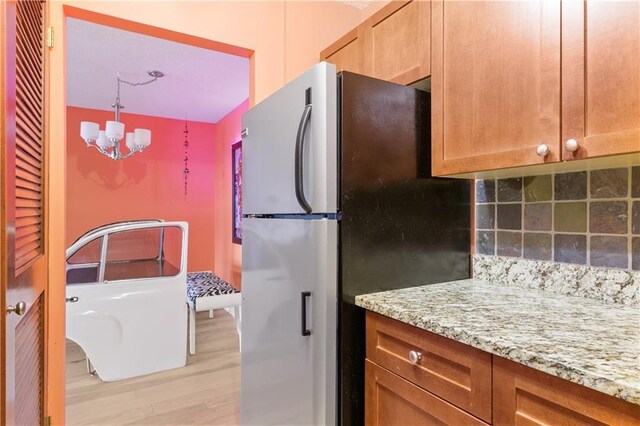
{"x": 205, "y": 284}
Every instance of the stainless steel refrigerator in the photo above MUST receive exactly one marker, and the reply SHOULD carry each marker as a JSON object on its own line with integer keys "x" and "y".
{"x": 337, "y": 201}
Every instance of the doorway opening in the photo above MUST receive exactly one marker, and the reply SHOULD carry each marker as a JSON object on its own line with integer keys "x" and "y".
{"x": 193, "y": 113}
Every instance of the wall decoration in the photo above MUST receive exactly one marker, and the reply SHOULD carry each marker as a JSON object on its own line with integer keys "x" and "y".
{"x": 236, "y": 172}
{"x": 185, "y": 171}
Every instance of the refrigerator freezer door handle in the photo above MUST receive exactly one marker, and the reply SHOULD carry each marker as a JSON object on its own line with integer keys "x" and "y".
{"x": 303, "y": 300}
{"x": 302, "y": 130}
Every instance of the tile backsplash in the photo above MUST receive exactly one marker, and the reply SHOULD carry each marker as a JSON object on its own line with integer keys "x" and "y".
{"x": 586, "y": 218}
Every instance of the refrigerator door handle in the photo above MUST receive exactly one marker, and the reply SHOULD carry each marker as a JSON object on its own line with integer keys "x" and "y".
{"x": 302, "y": 130}
{"x": 303, "y": 300}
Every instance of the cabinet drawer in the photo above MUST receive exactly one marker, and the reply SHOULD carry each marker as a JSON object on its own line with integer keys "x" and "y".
{"x": 391, "y": 400}
{"x": 453, "y": 371}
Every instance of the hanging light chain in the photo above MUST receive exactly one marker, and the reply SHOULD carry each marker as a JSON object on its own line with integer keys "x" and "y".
{"x": 117, "y": 105}
{"x": 118, "y": 90}
{"x": 185, "y": 171}
{"x": 154, "y": 74}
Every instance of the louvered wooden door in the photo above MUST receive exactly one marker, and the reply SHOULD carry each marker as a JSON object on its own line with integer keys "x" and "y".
{"x": 24, "y": 277}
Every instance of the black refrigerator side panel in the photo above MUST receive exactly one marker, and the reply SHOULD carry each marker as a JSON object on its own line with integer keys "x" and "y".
{"x": 400, "y": 227}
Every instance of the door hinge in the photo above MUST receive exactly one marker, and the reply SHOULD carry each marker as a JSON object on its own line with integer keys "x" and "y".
{"x": 47, "y": 421}
{"x": 50, "y": 37}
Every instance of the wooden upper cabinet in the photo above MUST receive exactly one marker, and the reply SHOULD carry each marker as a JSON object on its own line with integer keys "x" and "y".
{"x": 348, "y": 53}
{"x": 394, "y": 44}
{"x": 399, "y": 38}
{"x": 495, "y": 84}
{"x": 600, "y": 77}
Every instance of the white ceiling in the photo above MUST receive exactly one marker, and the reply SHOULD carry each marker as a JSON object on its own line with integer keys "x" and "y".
{"x": 204, "y": 84}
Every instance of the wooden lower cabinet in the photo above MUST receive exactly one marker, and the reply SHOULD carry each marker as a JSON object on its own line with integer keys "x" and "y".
{"x": 455, "y": 384}
{"x": 448, "y": 369}
{"x": 524, "y": 396}
{"x": 390, "y": 400}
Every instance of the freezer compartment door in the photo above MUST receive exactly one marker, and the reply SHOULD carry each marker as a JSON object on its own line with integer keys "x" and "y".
{"x": 289, "y": 147}
{"x": 289, "y": 280}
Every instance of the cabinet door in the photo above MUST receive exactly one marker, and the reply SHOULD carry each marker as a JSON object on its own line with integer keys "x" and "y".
{"x": 391, "y": 400}
{"x": 495, "y": 84}
{"x": 348, "y": 53}
{"x": 600, "y": 77}
{"x": 522, "y": 395}
{"x": 400, "y": 41}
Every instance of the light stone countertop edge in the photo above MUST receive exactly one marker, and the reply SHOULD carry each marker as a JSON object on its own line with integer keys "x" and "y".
{"x": 503, "y": 346}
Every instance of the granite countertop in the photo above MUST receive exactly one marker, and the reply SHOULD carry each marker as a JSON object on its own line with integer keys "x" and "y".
{"x": 590, "y": 342}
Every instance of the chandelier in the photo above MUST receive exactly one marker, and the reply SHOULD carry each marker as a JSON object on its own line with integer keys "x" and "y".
{"x": 107, "y": 141}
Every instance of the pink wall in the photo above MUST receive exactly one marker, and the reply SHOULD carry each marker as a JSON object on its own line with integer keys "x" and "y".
{"x": 310, "y": 27}
{"x": 147, "y": 185}
{"x": 228, "y": 256}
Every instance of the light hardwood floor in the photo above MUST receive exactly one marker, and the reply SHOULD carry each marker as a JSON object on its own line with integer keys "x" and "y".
{"x": 205, "y": 392}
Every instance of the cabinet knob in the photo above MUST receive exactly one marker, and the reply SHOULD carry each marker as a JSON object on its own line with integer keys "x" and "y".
{"x": 542, "y": 150}
{"x": 571, "y": 145}
{"x": 414, "y": 357}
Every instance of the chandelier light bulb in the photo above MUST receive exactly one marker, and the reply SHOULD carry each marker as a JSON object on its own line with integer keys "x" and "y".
{"x": 114, "y": 130}
{"x": 142, "y": 137}
{"x": 103, "y": 141}
{"x": 130, "y": 141}
{"x": 89, "y": 130}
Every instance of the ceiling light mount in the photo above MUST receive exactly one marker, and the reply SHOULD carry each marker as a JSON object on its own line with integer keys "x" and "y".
{"x": 107, "y": 141}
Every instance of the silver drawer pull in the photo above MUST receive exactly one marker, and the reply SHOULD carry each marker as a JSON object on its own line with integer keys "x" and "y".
{"x": 73, "y": 299}
{"x": 415, "y": 357}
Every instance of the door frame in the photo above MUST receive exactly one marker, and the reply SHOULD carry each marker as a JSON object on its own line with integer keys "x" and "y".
{"x": 58, "y": 11}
